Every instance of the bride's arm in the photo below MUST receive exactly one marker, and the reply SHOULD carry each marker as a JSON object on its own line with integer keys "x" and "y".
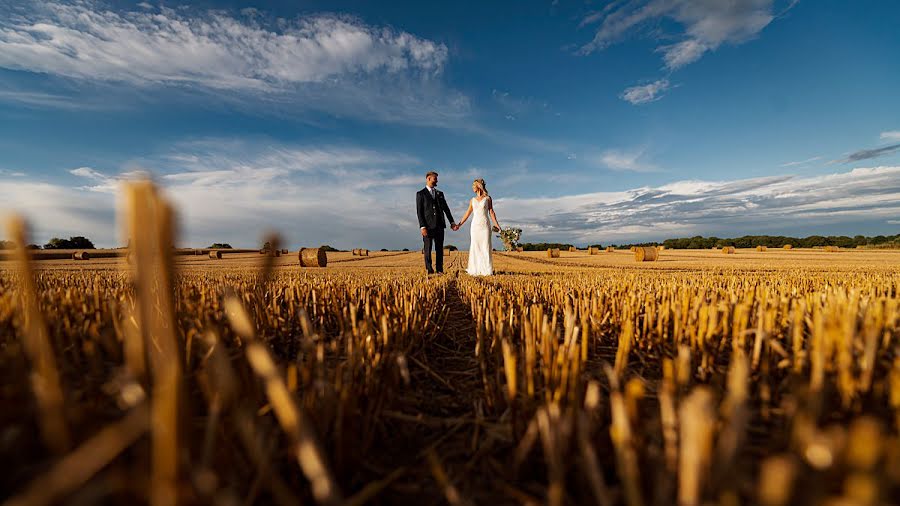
{"x": 466, "y": 216}
{"x": 490, "y": 204}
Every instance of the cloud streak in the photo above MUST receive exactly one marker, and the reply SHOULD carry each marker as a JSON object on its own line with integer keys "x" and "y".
{"x": 85, "y": 41}
{"x": 644, "y": 94}
{"x": 231, "y": 191}
{"x": 710, "y": 207}
{"x": 324, "y": 62}
{"x": 706, "y": 25}
{"x": 868, "y": 154}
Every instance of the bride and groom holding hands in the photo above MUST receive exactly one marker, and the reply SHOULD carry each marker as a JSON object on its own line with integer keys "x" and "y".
{"x": 431, "y": 206}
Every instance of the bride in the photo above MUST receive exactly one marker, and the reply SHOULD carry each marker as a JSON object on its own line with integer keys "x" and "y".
{"x": 480, "y": 262}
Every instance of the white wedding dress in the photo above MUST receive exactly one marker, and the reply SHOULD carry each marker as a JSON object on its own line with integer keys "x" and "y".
{"x": 480, "y": 262}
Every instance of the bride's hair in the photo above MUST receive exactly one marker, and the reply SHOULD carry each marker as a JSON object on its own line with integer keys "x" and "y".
{"x": 481, "y": 185}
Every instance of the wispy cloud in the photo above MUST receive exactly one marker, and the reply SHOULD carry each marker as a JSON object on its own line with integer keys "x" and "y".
{"x": 646, "y": 93}
{"x": 706, "y": 25}
{"x": 334, "y": 63}
{"x": 802, "y": 162}
{"x": 86, "y": 41}
{"x": 40, "y": 100}
{"x": 621, "y": 160}
{"x": 710, "y": 207}
{"x": 868, "y": 154}
{"x": 893, "y": 135}
{"x": 231, "y": 190}
{"x": 347, "y": 196}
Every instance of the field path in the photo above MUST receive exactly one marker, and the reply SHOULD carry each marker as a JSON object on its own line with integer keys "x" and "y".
{"x": 441, "y": 419}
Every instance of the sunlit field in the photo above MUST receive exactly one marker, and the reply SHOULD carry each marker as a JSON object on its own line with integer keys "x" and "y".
{"x": 754, "y": 378}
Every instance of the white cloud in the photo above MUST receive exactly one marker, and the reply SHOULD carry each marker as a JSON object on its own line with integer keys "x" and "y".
{"x": 707, "y": 24}
{"x": 11, "y": 173}
{"x": 760, "y": 205}
{"x": 88, "y": 172}
{"x": 347, "y": 196}
{"x": 646, "y": 93}
{"x": 802, "y": 162}
{"x": 893, "y": 135}
{"x": 631, "y": 161}
{"x": 232, "y": 191}
{"x": 323, "y": 62}
{"x": 86, "y": 41}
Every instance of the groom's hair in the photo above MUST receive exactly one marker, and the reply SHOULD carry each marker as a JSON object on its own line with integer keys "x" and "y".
{"x": 430, "y": 173}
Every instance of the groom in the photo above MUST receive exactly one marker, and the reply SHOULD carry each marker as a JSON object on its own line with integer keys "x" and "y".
{"x": 431, "y": 207}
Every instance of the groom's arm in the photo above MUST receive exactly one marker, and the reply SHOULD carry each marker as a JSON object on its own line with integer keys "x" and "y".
{"x": 420, "y": 210}
{"x": 446, "y": 209}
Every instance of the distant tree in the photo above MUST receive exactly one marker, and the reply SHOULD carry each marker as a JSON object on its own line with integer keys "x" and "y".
{"x": 327, "y": 248}
{"x": 267, "y": 246}
{"x": 772, "y": 241}
{"x": 33, "y": 246}
{"x": 225, "y": 245}
{"x": 451, "y": 247}
{"x": 405, "y": 249}
{"x": 543, "y": 246}
{"x": 7, "y": 245}
{"x": 383, "y": 249}
{"x": 79, "y": 242}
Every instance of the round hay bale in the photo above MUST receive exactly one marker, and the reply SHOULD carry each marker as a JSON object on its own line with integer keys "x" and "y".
{"x": 572, "y": 249}
{"x": 646, "y": 254}
{"x": 263, "y": 251}
{"x": 788, "y": 246}
{"x": 593, "y": 251}
{"x": 216, "y": 254}
{"x": 446, "y": 252}
{"x": 761, "y": 248}
{"x": 553, "y": 253}
{"x": 728, "y": 250}
{"x": 363, "y": 252}
{"x": 284, "y": 251}
{"x": 610, "y": 249}
{"x": 81, "y": 255}
{"x": 832, "y": 249}
{"x": 661, "y": 247}
{"x": 355, "y": 252}
{"x": 519, "y": 249}
{"x": 198, "y": 252}
{"x": 633, "y": 248}
{"x": 313, "y": 257}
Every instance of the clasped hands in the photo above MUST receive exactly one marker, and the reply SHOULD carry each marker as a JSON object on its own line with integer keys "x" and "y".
{"x": 455, "y": 226}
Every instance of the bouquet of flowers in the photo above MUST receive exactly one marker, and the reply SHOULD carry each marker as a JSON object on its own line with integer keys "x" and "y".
{"x": 510, "y": 237}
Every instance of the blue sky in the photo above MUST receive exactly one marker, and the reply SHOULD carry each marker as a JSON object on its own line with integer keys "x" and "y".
{"x": 592, "y": 122}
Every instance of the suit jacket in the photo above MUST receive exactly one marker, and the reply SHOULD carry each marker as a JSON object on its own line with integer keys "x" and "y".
{"x": 431, "y": 211}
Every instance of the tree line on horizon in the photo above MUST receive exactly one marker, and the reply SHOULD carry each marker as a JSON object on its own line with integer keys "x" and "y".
{"x": 747, "y": 241}
{"x": 695, "y": 242}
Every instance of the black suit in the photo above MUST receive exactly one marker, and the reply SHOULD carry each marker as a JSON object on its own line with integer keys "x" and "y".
{"x": 431, "y": 213}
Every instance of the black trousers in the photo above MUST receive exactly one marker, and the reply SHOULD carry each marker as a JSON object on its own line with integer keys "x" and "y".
{"x": 435, "y": 235}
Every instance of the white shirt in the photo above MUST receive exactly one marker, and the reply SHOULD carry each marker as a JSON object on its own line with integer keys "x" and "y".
{"x": 433, "y": 191}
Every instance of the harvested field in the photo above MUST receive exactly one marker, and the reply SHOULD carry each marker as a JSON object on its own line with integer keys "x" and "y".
{"x": 571, "y": 380}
